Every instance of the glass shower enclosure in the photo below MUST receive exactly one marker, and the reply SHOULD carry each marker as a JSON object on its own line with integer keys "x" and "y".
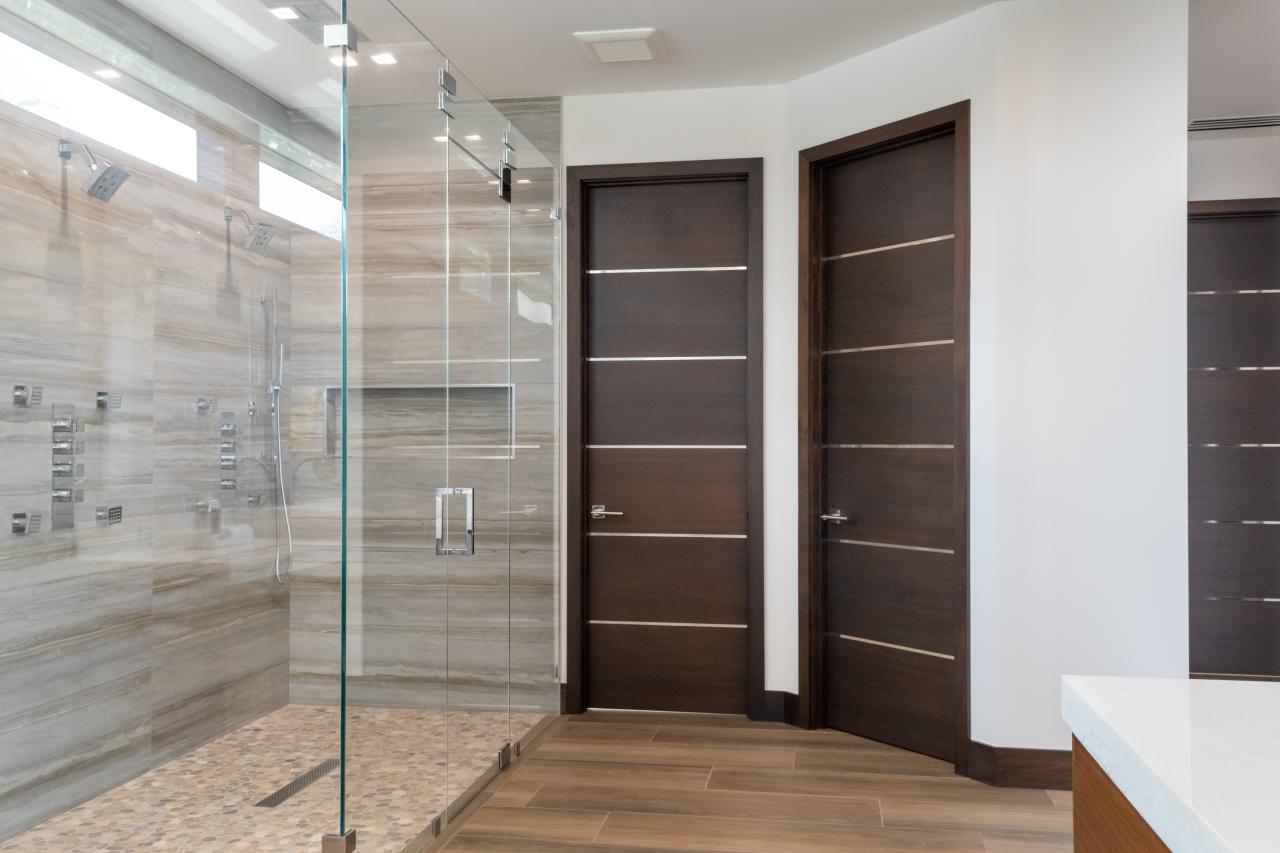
{"x": 278, "y": 429}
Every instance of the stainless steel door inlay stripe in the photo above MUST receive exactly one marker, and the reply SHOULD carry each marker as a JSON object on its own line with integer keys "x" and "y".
{"x": 887, "y": 346}
{"x": 1266, "y": 367}
{"x": 1227, "y": 292}
{"x": 1233, "y": 445}
{"x": 671, "y": 358}
{"x": 897, "y": 647}
{"x": 892, "y": 545}
{"x": 666, "y": 447}
{"x": 677, "y": 535}
{"x": 666, "y": 269}
{"x": 889, "y": 447}
{"x": 665, "y": 624}
{"x": 1254, "y": 599}
{"x": 890, "y": 248}
{"x": 1238, "y": 521}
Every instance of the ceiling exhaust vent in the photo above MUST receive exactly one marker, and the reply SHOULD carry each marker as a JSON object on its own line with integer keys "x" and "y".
{"x": 1236, "y": 123}
{"x": 635, "y": 45}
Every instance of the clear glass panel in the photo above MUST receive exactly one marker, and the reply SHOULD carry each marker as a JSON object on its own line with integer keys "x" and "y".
{"x": 534, "y": 311}
{"x": 167, "y": 339}
{"x": 398, "y": 403}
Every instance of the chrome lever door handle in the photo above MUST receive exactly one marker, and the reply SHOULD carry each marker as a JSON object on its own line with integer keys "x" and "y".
{"x": 599, "y": 513}
{"x": 836, "y": 516}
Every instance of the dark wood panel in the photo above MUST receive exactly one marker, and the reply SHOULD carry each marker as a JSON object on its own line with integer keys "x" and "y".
{"x": 667, "y": 402}
{"x": 670, "y": 313}
{"x": 897, "y": 697}
{"x": 667, "y": 580}
{"x": 894, "y": 297}
{"x": 1233, "y": 253}
{"x": 673, "y": 669}
{"x": 894, "y": 596}
{"x": 1235, "y": 637}
{"x": 683, "y": 224}
{"x": 893, "y": 396}
{"x": 1233, "y": 330}
{"x": 1105, "y": 822}
{"x": 1233, "y": 406}
{"x": 903, "y": 497}
{"x": 1234, "y": 483}
{"x": 1235, "y": 560}
{"x": 669, "y": 491}
{"x": 1013, "y": 767}
{"x": 895, "y": 196}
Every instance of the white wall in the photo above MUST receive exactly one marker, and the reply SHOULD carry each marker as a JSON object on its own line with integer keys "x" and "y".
{"x": 1079, "y": 163}
{"x": 1235, "y": 164}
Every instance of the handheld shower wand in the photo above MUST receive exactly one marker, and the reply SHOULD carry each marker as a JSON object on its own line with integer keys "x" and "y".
{"x": 276, "y": 387}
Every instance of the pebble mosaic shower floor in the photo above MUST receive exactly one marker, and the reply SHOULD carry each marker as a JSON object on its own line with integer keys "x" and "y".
{"x": 398, "y": 779}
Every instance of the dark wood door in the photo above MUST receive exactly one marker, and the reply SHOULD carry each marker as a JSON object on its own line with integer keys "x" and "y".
{"x": 890, "y": 533}
{"x": 1233, "y": 398}
{"x": 669, "y": 464}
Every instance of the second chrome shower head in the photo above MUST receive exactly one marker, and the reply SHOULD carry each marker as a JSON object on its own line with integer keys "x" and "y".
{"x": 260, "y": 233}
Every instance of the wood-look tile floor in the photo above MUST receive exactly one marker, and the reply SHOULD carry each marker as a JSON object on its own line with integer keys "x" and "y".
{"x": 607, "y": 782}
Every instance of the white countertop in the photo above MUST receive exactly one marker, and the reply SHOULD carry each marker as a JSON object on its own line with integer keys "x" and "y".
{"x": 1199, "y": 760}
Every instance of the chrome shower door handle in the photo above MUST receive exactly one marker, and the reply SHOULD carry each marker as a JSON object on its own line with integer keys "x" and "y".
{"x": 599, "y": 513}
{"x": 442, "y": 494}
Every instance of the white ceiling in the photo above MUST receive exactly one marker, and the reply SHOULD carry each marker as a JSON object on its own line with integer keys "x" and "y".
{"x": 514, "y": 48}
{"x": 1235, "y": 58}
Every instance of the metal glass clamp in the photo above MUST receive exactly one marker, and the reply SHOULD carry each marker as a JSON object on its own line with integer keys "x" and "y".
{"x": 441, "y": 547}
{"x": 341, "y": 35}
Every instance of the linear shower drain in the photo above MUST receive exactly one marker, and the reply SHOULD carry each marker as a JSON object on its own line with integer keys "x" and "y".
{"x": 324, "y": 768}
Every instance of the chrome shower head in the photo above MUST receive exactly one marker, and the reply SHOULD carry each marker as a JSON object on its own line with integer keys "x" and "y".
{"x": 104, "y": 180}
{"x": 260, "y": 233}
{"x": 259, "y": 236}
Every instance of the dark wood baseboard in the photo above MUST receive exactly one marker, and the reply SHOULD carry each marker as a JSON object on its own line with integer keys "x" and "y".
{"x": 772, "y": 706}
{"x": 1007, "y": 767}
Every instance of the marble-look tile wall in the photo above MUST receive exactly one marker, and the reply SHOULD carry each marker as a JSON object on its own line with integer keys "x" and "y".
{"x": 123, "y": 645}
{"x": 419, "y": 622}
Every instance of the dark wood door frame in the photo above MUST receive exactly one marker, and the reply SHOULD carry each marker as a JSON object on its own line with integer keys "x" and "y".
{"x": 809, "y": 707}
{"x": 762, "y": 705}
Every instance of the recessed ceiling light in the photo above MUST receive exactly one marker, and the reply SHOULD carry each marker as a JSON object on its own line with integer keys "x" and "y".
{"x": 352, "y": 62}
{"x": 473, "y": 137}
{"x": 384, "y": 58}
{"x": 524, "y": 181}
{"x": 634, "y": 45}
{"x": 108, "y": 73}
{"x": 533, "y": 210}
{"x": 493, "y": 183}
{"x": 286, "y": 13}
{"x": 440, "y": 138}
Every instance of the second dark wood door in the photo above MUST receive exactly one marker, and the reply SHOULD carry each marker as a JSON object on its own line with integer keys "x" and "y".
{"x": 888, "y": 469}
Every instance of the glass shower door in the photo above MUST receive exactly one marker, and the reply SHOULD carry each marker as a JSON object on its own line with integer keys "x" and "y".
{"x": 427, "y": 399}
{"x": 479, "y": 439}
